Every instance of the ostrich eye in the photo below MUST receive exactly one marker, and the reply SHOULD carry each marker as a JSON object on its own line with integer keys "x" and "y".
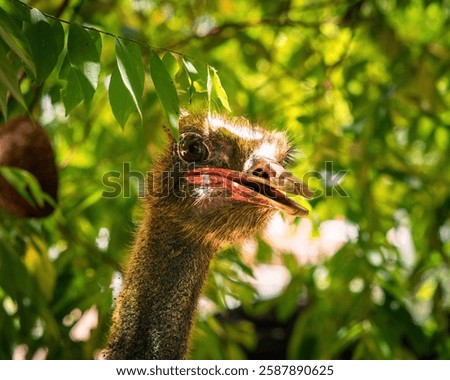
{"x": 192, "y": 148}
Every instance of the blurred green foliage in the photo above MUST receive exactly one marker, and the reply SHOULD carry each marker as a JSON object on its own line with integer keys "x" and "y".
{"x": 363, "y": 84}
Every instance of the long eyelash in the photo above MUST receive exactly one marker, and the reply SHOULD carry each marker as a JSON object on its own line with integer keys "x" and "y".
{"x": 289, "y": 158}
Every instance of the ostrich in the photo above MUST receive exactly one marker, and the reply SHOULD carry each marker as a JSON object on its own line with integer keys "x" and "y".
{"x": 220, "y": 183}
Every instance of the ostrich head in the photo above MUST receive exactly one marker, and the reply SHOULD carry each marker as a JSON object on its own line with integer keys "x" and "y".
{"x": 224, "y": 179}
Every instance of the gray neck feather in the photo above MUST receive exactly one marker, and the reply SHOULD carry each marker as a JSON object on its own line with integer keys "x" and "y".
{"x": 163, "y": 282}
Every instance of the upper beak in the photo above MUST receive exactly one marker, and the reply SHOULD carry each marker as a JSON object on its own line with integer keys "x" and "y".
{"x": 270, "y": 173}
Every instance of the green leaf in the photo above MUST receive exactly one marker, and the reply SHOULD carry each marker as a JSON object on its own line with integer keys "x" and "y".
{"x": 3, "y": 102}
{"x": 190, "y": 67}
{"x": 58, "y": 32}
{"x": 220, "y": 91}
{"x": 120, "y": 99}
{"x": 15, "y": 10}
{"x": 84, "y": 54}
{"x": 14, "y": 38}
{"x": 183, "y": 83}
{"x": 97, "y": 39}
{"x": 41, "y": 36}
{"x": 198, "y": 74}
{"x": 192, "y": 76}
{"x": 166, "y": 92}
{"x": 71, "y": 94}
{"x": 81, "y": 66}
{"x": 8, "y": 79}
{"x": 132, "y": 75}
{"x": 171, "y": 64}
{"x": 25, "y": 184}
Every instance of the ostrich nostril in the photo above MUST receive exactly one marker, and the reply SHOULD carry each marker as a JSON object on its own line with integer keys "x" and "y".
{"x": 260, "y": 173}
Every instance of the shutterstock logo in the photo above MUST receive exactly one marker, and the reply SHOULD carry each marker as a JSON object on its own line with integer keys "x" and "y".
{"x": 330, "y": 179}
{"x": 128, "y": 182}
{"x": 121, "y": 183}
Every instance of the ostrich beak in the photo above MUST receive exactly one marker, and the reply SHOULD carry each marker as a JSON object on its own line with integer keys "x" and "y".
{"x": 273, "y": 174}
{"x": 265, "y": 183}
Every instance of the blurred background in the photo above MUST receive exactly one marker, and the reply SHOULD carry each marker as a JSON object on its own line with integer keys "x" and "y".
{"x": 363, "y": 89}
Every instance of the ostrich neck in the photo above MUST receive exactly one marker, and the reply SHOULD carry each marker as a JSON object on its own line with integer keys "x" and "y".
{"x": 155, "y": 309}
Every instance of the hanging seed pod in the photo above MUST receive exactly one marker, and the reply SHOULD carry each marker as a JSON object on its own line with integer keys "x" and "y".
{"x": 25, "y": 144}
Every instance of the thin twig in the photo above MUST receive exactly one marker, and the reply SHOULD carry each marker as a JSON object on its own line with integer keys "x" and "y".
{"x": 92, "y": 28}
